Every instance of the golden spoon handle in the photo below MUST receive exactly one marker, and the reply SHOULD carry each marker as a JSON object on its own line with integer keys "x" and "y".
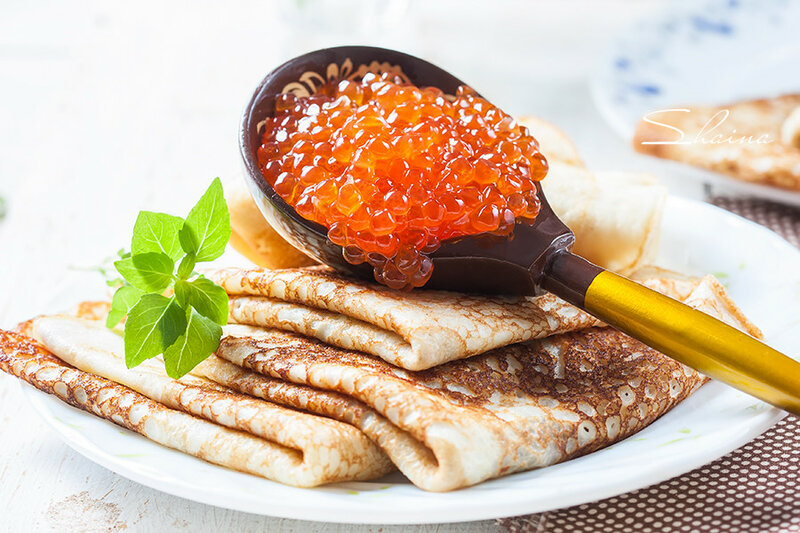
{"x": 696, "y": 340}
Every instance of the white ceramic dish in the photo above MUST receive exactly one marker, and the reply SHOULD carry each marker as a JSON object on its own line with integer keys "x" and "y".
{"x": 762, "y": 272}
{"x": 707, "y": 53}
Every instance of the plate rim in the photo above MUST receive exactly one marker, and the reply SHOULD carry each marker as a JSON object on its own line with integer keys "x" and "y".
{"x": 653, "y": 473}
{"x": 664, "y": 472}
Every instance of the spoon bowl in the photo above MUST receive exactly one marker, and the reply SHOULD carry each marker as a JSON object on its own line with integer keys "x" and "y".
{"x": 537, "y": 256}
{"x": 479, "y": 263}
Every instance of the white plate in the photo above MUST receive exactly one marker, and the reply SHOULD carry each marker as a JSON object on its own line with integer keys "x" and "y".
{"x": 707, "y": 53}
{"x": 762, "y": 272}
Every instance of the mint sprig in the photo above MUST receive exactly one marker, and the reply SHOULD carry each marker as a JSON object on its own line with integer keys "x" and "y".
{"x": 170, "y": 309}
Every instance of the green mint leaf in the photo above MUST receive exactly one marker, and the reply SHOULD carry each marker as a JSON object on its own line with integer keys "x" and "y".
{"x": 199, "y": 340}
{"x": 187, "y": 239}
{"x": 207, "y": 228}
{"x": 157, "y": 232}
{"x": 129, "y": 272}
{"x": 186, "y": 267}
{"x": 186, "y": 327}
{"x": 125, "y": 298}
{"x": 208, "y": 299}
{"x": 153, "y": 325}
{"x": 151, "y": 272}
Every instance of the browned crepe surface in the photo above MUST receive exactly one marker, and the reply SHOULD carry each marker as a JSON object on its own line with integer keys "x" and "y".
{"x": 415, "y": 330}
{"x": 514, "y": 408}
{"x": 261, "y": 438}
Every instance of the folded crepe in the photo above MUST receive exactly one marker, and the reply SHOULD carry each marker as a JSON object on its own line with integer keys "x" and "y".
{"x": 514, "y": 408}
{"x": 752, "y": 140}
{"x": 414, "y": 331}
{"x": 286, "y": 445}
{"x": 615, "y": 216}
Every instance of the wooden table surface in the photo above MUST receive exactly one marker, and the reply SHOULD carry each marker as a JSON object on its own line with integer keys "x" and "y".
{"x": 109, "y": 108}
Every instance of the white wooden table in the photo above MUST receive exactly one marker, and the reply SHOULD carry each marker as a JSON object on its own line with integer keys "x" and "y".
{"x": 109, "y": 108}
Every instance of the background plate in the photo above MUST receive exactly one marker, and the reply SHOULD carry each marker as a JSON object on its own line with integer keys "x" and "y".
{"x": 707, "y": 53}
{"x": 762, "y": 272}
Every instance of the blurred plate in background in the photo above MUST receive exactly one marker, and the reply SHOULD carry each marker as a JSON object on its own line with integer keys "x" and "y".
{"x": 702, "y": 53}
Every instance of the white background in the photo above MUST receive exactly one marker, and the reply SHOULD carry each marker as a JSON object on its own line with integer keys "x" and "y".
{"x": 107, "y": 108}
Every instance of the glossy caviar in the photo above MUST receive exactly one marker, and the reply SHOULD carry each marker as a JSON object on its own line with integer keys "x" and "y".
{"x": 392, "y": 170}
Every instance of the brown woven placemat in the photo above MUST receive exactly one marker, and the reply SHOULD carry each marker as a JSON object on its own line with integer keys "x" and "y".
{"x": 782, "y": 219}
{"x": 755, "y": 489}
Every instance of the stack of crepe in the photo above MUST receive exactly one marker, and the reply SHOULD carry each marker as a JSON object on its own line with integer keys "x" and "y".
{"x": 320, "y": 378}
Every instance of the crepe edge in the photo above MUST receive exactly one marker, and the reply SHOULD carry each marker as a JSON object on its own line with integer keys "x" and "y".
{"x": 28, "y": 360}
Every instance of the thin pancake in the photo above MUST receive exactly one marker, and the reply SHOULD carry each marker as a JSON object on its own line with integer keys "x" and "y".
{"x": 328, "y": 450}
{"x": 615, "y": 216}
{"x": 415, "y": 331}
{"x": 25, "y": 358}
{"x": 746, "y": 144}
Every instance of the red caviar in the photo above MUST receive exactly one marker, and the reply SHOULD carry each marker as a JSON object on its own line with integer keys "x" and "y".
{"x": 392, "y": 170}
